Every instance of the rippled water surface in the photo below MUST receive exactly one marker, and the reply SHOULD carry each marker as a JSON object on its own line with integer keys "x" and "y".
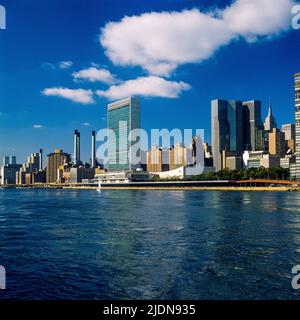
{"x": 71, "y": 244}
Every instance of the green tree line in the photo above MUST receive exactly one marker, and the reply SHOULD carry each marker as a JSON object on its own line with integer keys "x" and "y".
{"x": 277, "y": 173}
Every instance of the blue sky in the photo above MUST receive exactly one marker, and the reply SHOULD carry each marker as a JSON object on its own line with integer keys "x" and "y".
{"x": 244, "y": 64}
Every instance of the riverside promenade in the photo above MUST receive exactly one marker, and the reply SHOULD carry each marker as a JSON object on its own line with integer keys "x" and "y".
{"x": 222, "y": 185}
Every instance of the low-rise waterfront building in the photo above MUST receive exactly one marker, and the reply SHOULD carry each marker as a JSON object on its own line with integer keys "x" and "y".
{"x": 76, "y": 174}
{"x": 123, "y": 176}
{"x": 257, "y": 159}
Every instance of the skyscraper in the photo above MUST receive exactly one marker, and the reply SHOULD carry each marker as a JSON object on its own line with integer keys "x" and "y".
{"x": 31, "y": 171}
{"x": 297, "y": 112}
{"x": 54, "y": 161}
{"x": 295, "y": 168}
{"x": 270, "y": 122}
{"x": 277, "y": 143}
{"x": 227, "y": 129}
{"x": 76, "y": 156}
{"x": 235, "y": 119}
{"x": 9, "y": 160}
{"x": 289, "y": 132}
{"x": 253, "y": 127}
{"x": 157, "y": 159}
{"x": 8, "y": 170}
{"x": 122, "y": 117}
{"x": 6, "y": 160}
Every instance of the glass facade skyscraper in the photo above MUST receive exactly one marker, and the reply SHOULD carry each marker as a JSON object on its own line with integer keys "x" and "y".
{"x": 235, "y": 119}
{"x": 122, "y": 117}
{"x": 236, "y": 126}
{"x": 227, "y": 129}
{"x": 253, "y": 127}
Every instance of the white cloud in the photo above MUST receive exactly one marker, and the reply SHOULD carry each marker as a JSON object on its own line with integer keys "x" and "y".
{"x": 151, "y": 86}
{"x": 86, "y": 124}
{"x": 257, "y": 18}
{"x": 76, "y": 95}
{"x": 65, "y": 64}
{"x": 94, "y": 74}
{"x": 161, "y": 41}
{"x": 37, "y": 126}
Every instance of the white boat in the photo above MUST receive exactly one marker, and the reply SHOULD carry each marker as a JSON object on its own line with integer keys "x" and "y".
{"x": 99, "y": 186}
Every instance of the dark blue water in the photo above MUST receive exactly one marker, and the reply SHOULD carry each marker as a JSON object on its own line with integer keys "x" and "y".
{"x": 65, "y": 244}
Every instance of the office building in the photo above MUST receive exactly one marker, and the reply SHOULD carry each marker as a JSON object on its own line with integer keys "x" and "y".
{"x": 297, "y": 113}
{"x": 76, "y": 174}
{"x": 208, "y": 157}
{"x": 6, "y": 160}
{"x": 235, "y": 119}
{"x": 220, "y": 131}
{"x": 9, "y": 170}
{"x": 178, "y": 156}
{"x": 287, "y": 161}
{"x": 122, "y": 117}
{"x": 231, "y": 161}
{"x": 158, "y": 159}
{"x": 270, "y": 122}
{"x": 269, "y": 125}
{"x": 9, "y": 160}
{"x": 227, "y": 129}
{"x": 257, "y": 159}
{"x": 295, "y": 168}
{"x": 53, "y": 162}
{"x": 253, "y": 127}
{"x": 277, "y": 145}
{"x": 289, "y": 132}
{"x": 33, "y": 165}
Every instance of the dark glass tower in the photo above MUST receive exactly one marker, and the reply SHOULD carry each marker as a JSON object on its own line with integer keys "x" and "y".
{"x": 227, "y": 129}
{"x": 253, "y": 127}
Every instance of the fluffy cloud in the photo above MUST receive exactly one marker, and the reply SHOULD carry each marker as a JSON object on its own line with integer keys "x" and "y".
{"x": 37, "y": 126}
{"x": 94, "y": 74}
{"x": 151, "y": 86}
{"x": 76, "y": 95}
{"x": 65, "y": 64}
{"x": 161, "y": 41}
{"x": 86, "y": 124}
{"x": 257, "y": 18}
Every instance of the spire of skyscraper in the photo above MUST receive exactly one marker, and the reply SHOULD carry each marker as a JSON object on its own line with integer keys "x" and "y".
{"x": 270, "y": 122}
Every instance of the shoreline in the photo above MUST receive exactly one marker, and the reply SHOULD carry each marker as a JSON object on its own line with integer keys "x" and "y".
{"x": 175, "y": 188}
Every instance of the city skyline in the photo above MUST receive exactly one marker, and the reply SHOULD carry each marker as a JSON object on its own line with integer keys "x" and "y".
{"x": 30, "y": 117}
